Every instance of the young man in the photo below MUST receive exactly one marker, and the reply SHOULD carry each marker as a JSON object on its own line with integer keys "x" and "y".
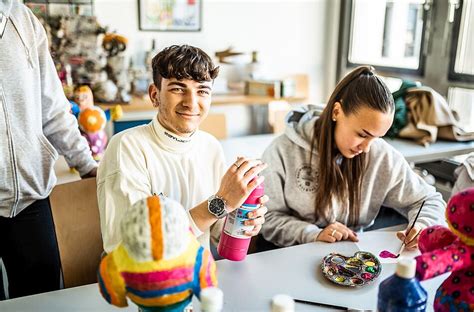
{"x": 35, "y": 124}
{"x": 171, "y": 157}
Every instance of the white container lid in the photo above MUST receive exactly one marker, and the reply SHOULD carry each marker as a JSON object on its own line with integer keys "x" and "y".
{"x": 283, "y": 303}
{"x": 406, "y": 268}
{"x": 212, "y": 299}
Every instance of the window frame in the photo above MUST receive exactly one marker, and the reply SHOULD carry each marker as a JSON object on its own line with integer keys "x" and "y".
{"x": 346, "y": 8}
{"x": 452, "y": 75}
{"x": 437, "y": 61}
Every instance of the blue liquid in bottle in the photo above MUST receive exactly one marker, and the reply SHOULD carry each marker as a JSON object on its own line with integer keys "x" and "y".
{"x": 402, "y": 292}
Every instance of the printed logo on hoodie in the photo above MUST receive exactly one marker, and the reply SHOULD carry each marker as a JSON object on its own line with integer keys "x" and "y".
{"x": 306, "y": 178}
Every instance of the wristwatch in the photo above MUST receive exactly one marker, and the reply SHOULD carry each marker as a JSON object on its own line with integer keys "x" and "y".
{"x": 217, "y": 206}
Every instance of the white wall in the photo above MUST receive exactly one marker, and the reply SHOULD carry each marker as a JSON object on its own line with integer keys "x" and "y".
{"x": 288, "y": 34}
{"x": 291, "y": 36}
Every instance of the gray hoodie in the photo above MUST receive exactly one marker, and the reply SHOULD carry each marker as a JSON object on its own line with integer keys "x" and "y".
{"x": 35, "y": 123}
{"x": 291, "y": 186}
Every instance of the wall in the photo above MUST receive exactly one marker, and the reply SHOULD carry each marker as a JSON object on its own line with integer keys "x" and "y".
{"x": 291, "y": 36}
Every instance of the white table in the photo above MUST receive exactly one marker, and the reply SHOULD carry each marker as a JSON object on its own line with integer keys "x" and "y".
{"x": 416, "y": 153}
{"x": 254, "y": 146}
{"x": 63, "y": 173}
{"x": 83, "y": 298}
{"x": 249, "y": 285}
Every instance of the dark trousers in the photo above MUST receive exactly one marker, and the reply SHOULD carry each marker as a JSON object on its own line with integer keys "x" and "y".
{"x": 29, "y": 251}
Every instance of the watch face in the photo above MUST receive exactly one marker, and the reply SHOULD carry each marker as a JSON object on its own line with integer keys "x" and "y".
{"x": 217, "y": 206}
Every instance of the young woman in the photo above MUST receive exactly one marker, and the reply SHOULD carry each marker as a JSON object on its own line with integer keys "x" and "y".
{"x": 330, "y": 173}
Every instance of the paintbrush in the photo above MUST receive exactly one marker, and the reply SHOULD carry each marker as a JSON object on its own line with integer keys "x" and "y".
{"x": 409, "y": 230}
{"x": 324, "y": 305}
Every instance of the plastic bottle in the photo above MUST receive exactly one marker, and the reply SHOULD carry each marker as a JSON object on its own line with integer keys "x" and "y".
{"x": 212, "y": 299}
{"x": 402, "y": 292}
{"x": 234, "y": 244}
{"x": 282, "y": 303}
{"x": 150, "y": 54}
{"x": 253, "y": 67}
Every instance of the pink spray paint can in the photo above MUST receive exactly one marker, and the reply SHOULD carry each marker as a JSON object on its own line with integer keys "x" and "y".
{"x": 234, "y": 244}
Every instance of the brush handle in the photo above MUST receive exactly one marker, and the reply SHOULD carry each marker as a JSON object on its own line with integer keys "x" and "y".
{"x": 401, "y": 249}
{"x": 414, "y": 221}
{"x": 320, "y": 304}
{"x": 409, "y": 230}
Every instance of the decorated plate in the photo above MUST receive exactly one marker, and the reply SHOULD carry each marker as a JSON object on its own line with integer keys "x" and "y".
{"x": 357, "y": 270}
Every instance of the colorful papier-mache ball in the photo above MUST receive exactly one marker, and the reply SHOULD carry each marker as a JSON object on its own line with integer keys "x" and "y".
{"x": 160, "y": 264}
{"x": 92, "y": 122}
{"x": 451, "y": 250}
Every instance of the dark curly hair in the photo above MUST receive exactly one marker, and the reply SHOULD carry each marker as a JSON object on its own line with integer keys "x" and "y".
{"x": 183, "y": 62}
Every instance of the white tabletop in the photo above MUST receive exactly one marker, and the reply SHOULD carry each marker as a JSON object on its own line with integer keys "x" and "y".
{"x": 416, "y": 153}
{"x": 249, "y": 285}
{"x": 63, "y": 173}
{"x": 254, "y": 145}
{"x": 83, "y": 298}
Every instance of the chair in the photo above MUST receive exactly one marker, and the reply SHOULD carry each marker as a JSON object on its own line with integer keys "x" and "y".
{"x": 277, "y": 117}
{"x": 277, "y": 110}
{"x": 76, "y": 221}
{"x": 215, "y": 124}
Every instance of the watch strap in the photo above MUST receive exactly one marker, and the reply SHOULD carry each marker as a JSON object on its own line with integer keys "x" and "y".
{"x": 220, "y": 214}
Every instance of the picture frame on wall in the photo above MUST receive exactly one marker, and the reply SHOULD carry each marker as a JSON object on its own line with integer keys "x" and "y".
{"x": 169, "y": 15}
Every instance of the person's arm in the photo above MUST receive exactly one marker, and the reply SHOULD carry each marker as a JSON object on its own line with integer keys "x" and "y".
{"x": 59, "y": 125}
{"x": 236, "y": 185}
{"x": 257, "y": 217}
{"x": 281, "y": 227}
{"x": 219, "y": 171}
{"x": 121, "y": 181}
{"x": 406, "y": 193}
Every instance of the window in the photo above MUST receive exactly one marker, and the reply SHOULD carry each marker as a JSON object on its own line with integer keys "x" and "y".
{"x": 461, "y": 102}
{"x": 461, "y": 67}
{"x": 387, "y": 34}
{"x": 462, "y": 60}
{"x": 430, "y": 41}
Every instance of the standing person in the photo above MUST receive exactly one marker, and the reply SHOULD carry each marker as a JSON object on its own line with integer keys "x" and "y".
{"x": 330, "y": 173}
{"x": 35, "y": 125}
{"x": 170, "y": 156}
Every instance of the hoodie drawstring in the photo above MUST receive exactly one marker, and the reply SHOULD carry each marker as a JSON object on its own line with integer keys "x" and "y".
{"x": 27, "y": 51}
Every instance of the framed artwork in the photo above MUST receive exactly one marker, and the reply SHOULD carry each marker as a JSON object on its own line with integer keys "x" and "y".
{"x": 169, "y": 15}
{"x": 38, "y": 9}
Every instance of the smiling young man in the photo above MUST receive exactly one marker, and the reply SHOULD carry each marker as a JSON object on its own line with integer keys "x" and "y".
{"x": 172, "y": 157}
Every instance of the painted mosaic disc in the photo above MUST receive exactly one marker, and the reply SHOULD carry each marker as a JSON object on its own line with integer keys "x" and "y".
{"x": 357, "y": 270}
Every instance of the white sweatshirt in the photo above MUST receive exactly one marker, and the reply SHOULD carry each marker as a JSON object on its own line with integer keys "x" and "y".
{"x": 148, "y": 160}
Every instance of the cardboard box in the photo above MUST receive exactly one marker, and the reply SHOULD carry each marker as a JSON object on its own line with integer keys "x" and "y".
{"x": 270, "y": 88}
